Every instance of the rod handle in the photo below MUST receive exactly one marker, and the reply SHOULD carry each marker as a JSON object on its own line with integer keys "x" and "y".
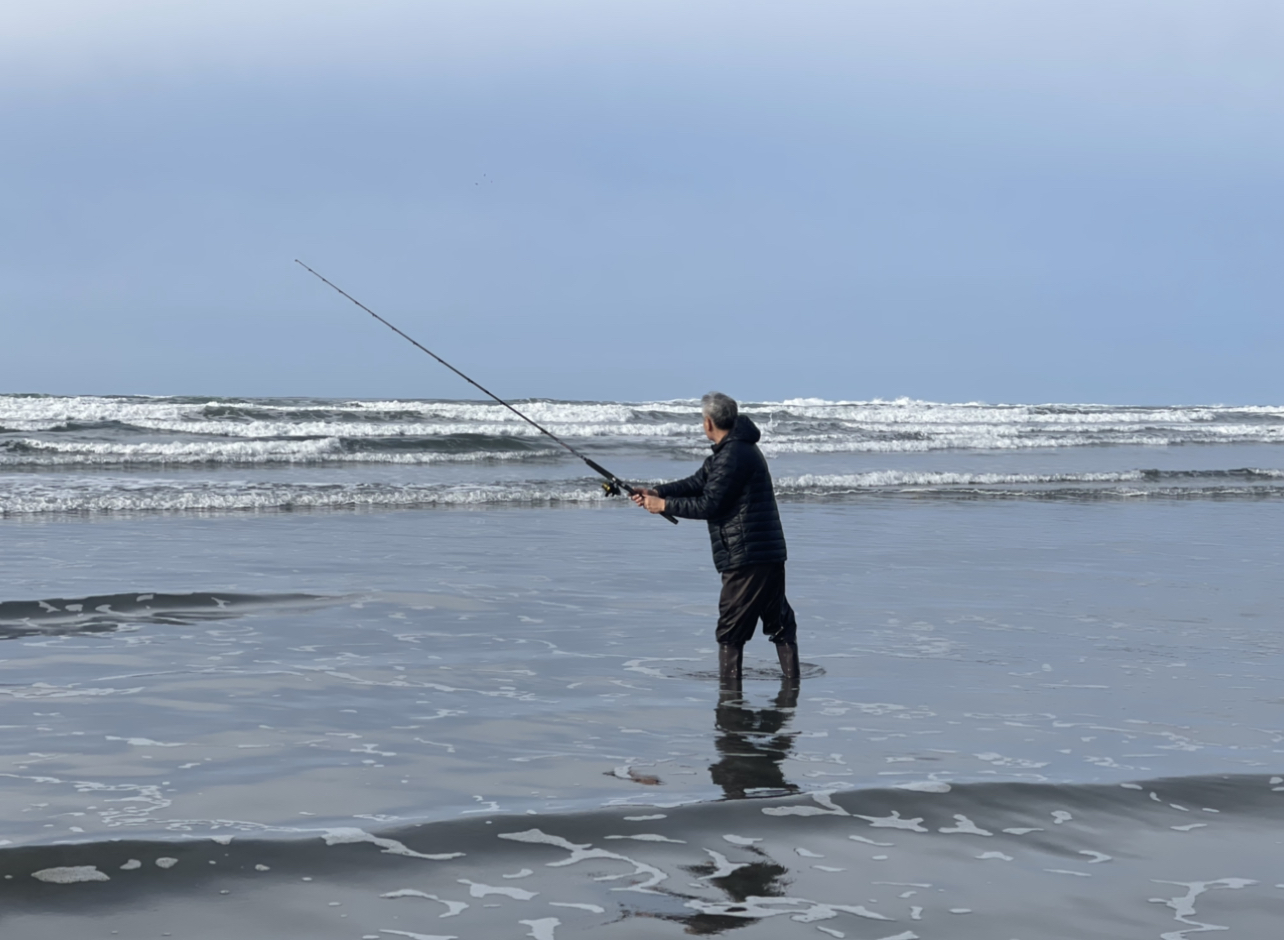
{"x": 618, "y": 482}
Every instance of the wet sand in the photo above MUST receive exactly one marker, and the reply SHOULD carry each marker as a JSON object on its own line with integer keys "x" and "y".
{"x": 1162, "y": 858}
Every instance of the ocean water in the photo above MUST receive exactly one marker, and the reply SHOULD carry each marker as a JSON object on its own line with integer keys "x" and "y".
{"x": 313, "y": 668}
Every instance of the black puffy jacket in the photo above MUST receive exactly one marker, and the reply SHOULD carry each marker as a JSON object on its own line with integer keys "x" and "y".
{"x": 733, "y": 491}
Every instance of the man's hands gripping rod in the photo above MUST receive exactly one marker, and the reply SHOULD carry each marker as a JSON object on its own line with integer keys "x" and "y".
{"x": 648, "y": 500}
{"x": 639, "y": 494}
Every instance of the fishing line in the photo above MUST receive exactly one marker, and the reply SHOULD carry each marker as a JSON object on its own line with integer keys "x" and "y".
{"x": 614, "y": 484}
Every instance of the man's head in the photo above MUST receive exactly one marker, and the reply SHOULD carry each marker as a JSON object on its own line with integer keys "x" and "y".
{"x": 720, "y": 413}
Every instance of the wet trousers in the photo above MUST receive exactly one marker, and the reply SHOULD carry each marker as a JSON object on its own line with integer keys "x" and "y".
{"x": 750, "y": 594}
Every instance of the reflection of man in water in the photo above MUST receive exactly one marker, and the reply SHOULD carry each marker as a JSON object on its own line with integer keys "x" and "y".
{"x": 732, "y": 491}
{"x": 751, "y": 744}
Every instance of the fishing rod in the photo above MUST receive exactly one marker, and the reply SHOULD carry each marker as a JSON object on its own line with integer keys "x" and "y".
{"x": 613, "y": 484}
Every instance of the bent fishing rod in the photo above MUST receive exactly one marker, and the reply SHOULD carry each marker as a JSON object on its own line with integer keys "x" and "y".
{"x": 613, "y": 485}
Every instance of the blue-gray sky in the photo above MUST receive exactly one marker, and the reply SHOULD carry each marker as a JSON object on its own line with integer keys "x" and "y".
{"x": 1003, "y": 200}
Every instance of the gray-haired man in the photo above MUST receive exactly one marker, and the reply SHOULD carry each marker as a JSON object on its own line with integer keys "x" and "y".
{"x": 733, "y": 492}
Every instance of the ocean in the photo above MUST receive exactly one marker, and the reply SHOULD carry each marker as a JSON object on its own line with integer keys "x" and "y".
{"x": 313, "y": 668}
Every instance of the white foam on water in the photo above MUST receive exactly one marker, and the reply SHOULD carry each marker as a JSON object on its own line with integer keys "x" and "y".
{"x": 796, "y": 811}
{"x": 349, "y": 836}
{"x": 966, "y": 827}
{"x": 827, "y": 807}
{"x": 591, "y": 908}
{"x": 453, "y": 908}
{"x": 579, "y": 853}
{"x": 723, "y": 866}
{"x": 44, "y": 690}
{"x": 539, "y": 837}
{"x": 480, "y": 890}
{"x": 543, "y": 928}
{"x": 1183, "y": 906}
{"x": 70, "y": 874}
{"x": 894, "y": 821}
{"x": 801, "y": 910}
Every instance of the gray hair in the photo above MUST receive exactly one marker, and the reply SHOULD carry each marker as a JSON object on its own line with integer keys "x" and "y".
{"x": 720, "y": 409}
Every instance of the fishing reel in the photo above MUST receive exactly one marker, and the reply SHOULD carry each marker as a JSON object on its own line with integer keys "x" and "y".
{"x": 611, "y": 488}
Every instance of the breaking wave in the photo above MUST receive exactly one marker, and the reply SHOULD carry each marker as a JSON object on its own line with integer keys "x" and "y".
{"x": 92, "y": 496}
{"x": 1195, "y": 481}
{"x": 105, "y": 454}
{"x": 21, "y": 453}
{"x": 126, "y": 495}
{"x": 38, "y": 430}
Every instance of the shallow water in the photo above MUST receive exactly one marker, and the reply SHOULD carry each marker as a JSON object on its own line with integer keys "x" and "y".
{"x": 336, "y": 695}
{"x": 556, "y": 663}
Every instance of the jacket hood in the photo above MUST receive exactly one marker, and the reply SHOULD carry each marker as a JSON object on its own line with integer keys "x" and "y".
{"x": 744, "y": 430}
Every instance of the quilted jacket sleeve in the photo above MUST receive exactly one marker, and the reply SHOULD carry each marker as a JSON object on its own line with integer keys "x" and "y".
{"x": 691, "y": 486}
{"x": 724, "y": 477}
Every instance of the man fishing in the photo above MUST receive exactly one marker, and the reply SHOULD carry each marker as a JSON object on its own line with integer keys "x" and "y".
{"x": 732, "y": 491}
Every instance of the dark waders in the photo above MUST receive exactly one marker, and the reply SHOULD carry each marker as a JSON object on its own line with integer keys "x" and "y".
{"x": 750, "y": 594}
{"x": 731, "y": 662}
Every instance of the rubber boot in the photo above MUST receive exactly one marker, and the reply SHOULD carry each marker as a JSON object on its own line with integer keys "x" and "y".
{"x": 788, "y": 654}
{"x": 730, "y": 665}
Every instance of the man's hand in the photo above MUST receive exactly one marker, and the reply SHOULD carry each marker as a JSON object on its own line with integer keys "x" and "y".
{"x": 647, "y": 499}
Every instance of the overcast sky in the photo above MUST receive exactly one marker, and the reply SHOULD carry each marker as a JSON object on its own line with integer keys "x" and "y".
{"x": 1002, "y": 200}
